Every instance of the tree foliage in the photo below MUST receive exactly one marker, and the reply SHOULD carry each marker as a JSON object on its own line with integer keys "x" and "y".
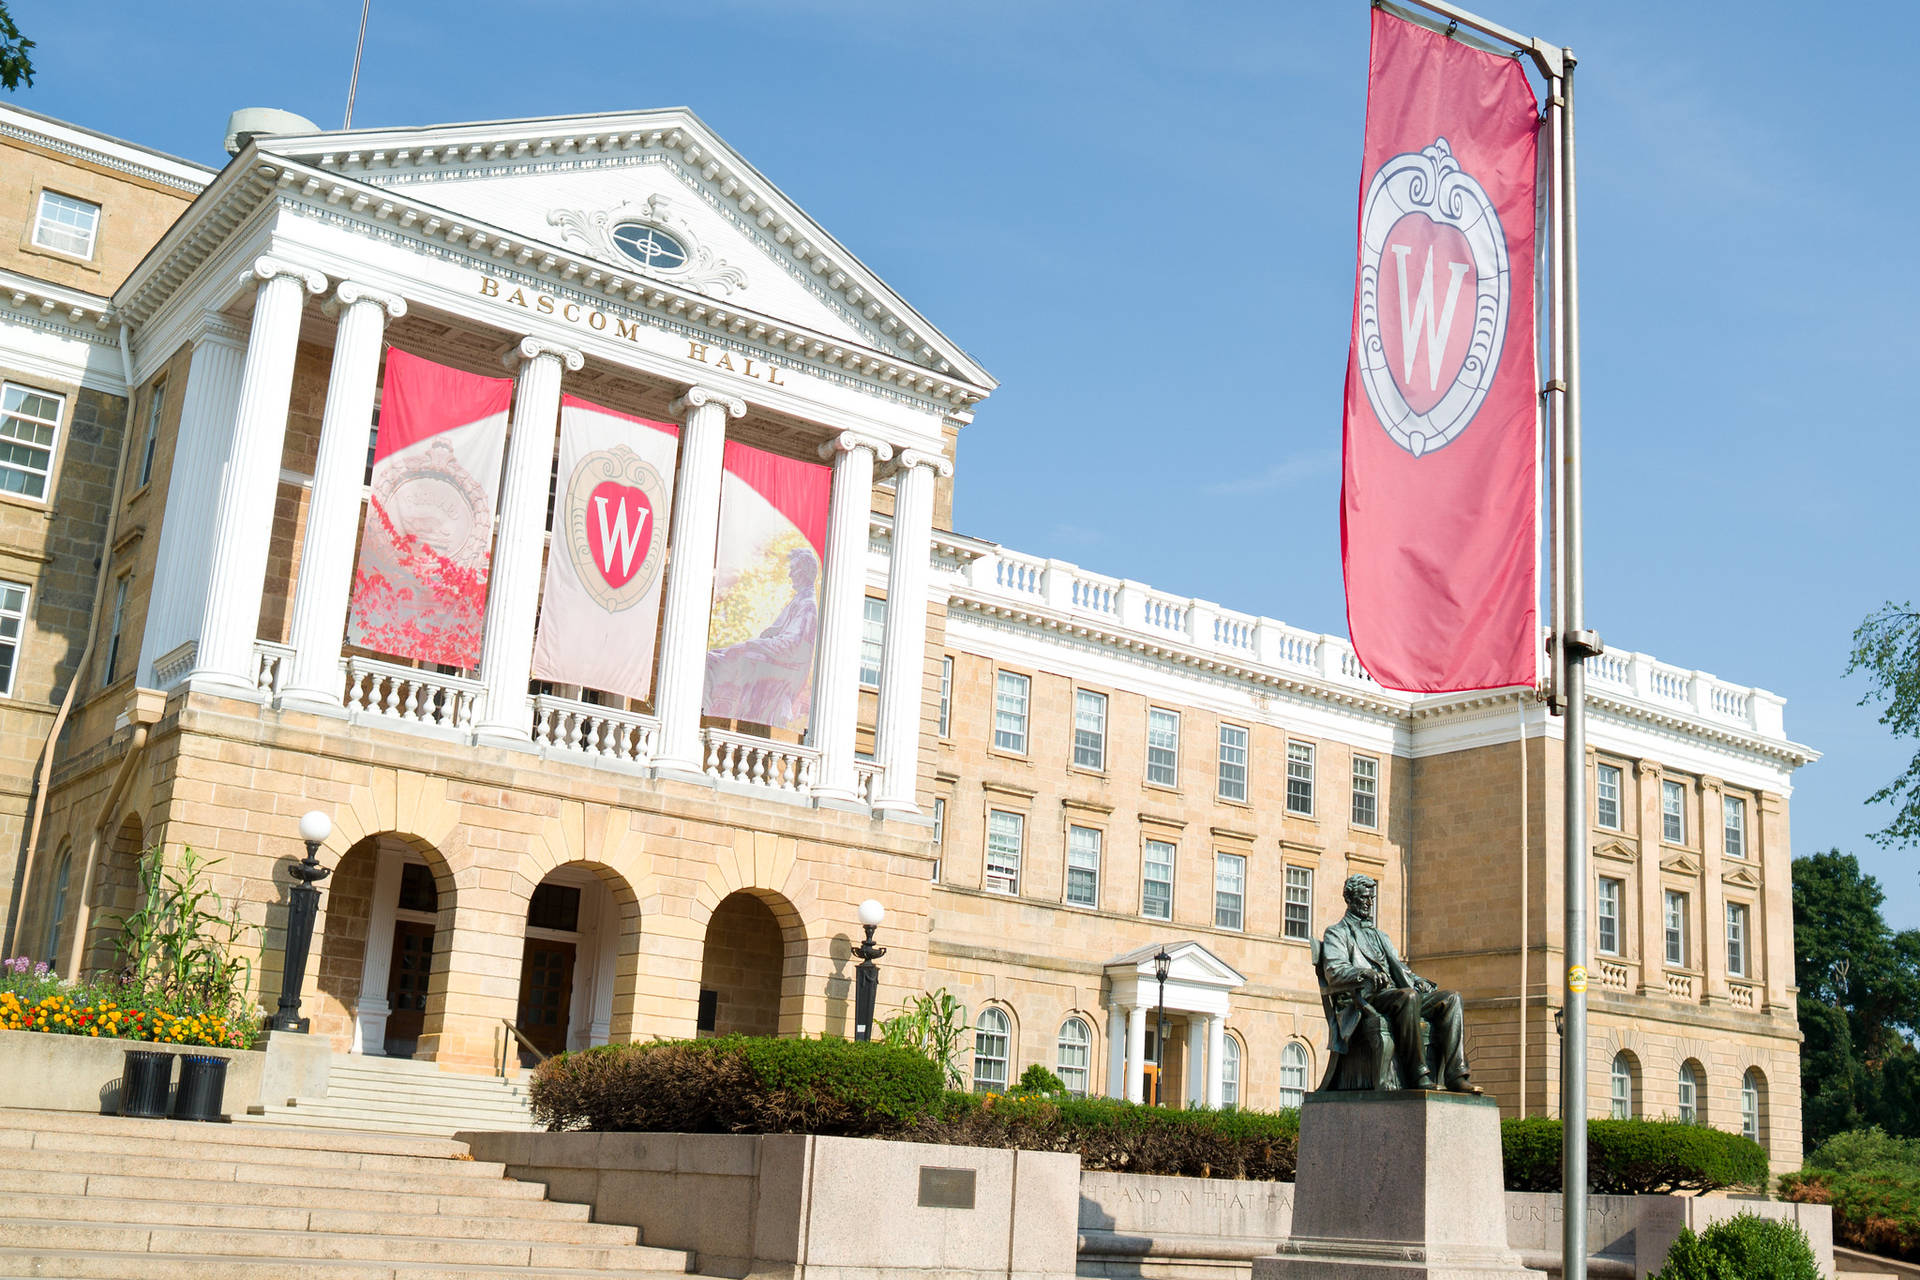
{"x": 1859, "y": 1002}
{"x": 16, "y": 59}
{"x": 1886, "y": 646}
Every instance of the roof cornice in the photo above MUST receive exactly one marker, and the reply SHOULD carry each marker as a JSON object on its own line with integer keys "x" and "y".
{"x": 78, "y": 309}
{"x": 107, "y": 152}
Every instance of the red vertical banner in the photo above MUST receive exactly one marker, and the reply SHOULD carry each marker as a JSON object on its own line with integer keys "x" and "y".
{"x": 1438, "y": 495}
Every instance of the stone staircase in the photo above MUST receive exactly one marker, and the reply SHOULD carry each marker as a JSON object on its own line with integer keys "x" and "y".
{"x": 101, "y": 1196}
{"x": 399, "y": 1095}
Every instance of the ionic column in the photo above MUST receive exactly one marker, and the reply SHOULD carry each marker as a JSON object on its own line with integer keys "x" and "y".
{"x": 243, "y": 507}
{"x": 1217, "y": 1060}
{"x": 376, "y": 968}
{"x": 1136, "y": 1052}
{"x": 513, "y": 588}
{"x": 693, "y": 540}
{"x": 333, "y": 509}
{"x": 836, "y": 671}
{"x": 904, "y": 644}
{"x": 1116, "y": 1052}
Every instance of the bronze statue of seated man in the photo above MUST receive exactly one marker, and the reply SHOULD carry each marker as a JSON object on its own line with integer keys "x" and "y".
{"x": 1387, "y": 1027}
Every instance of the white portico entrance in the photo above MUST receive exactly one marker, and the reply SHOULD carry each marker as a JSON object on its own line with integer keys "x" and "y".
{"x": 1198, "y": 990}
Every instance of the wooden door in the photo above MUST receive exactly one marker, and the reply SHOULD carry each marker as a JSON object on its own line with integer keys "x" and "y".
{"x": 408, "y": 975}
{"x": 546, "y": 993}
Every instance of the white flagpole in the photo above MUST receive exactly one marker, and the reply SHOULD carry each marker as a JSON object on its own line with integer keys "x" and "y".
{"x": 353, "y": 84}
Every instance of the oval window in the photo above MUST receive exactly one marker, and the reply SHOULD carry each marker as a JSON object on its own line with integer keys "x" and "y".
{"x": 650, "y": 246}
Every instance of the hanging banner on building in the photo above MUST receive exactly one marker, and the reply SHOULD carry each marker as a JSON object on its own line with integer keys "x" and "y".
{"x": 612, "y": 503}
{"x": 420, "y": 588}
{"x": 766, "y": 588}
{"x": 1438, "y": 509}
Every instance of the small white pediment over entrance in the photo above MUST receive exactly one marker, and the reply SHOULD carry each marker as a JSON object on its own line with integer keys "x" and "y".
{"x": 1198, "y": 981}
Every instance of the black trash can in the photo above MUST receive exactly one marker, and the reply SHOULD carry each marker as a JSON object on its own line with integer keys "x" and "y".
{"x": 203, "y": 1087}
{"x": 144, "y": 1084}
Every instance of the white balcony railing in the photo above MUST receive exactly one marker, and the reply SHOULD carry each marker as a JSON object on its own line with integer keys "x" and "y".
{"x": 866, "y": 780}
{"x": 605, "y": 733}
{"x": 270, "y": 664}
{"x": 759, "y": 762}
{"x": 412, "y": 695}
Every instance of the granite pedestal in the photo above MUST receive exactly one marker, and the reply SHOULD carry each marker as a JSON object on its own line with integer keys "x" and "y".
{"x": 1402, "y": 1185}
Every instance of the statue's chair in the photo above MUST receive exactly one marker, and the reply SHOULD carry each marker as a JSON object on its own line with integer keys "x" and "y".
{"x": 1369, "y": 1062}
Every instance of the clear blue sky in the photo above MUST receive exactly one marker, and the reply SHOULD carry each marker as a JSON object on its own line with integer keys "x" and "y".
{"x": 1140, "y": 217}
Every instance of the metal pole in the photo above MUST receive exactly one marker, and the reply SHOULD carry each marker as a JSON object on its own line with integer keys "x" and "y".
{"x": 1160, "y": 1048}
{"x": 303, "y": 906}
{"x": 866, "y": 986}
{"x": 353, "y": 84}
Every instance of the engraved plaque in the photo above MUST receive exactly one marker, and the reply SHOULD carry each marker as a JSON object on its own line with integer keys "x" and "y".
{"x": 945, "y": 1188}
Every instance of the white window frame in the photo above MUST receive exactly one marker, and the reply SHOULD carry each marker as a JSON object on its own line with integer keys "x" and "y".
{"x": 873, "y": 640}
{"x": 939, "y": 835}
{"x": 1163, "y": 761}
{"x": 1090, "y": 743}
{"x": 946, "y": 697}
{"x": 1295, "y": 1064}
{"x": 1689, "y": 1094}
{"x": 1620, "y": 1087}
{"x": 40, "y": 220}
{"x": 1003, "y": 863}
{"x": 1733, "y": 826}
{"x": 13, "y": 631}
{"x": 1147, "y": 860}
{"x": 1602, "y": 801}
{"x": 1231, "y": 773}
{"x": 156, "y": 409}
{"x": 1297, "y": 912}
{"x": 1750, "y": 1105}
{"x": 1073, "y": 1056}
{"x": 115, "y": 629}
{"x": 1009, "y": 688}
{"x": 1083, "y": 865}
{"x": 1229, "y": 890}
{"x": 9, "y": 415}
{"x": 1606, "y": 911}
{"x": 1673, "y": 916}
{"x": 1300, "y": 771}
{"x": 1673, "y": 811}
{"x": 1231, "y": 1057}
{"x": 1738, "y": 950}
{"x": 1366, "y": 792}
{"x": 986, "y": 1039}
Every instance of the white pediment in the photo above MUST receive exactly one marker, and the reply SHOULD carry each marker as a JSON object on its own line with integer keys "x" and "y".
{"x": 652, "y": 194}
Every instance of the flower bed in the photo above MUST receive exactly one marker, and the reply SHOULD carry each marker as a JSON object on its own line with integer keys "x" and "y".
{"x": 33, "y": 999}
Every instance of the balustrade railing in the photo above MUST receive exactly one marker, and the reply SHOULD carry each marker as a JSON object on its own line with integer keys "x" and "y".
{"x": 270, "y": 664}
{"x": 759, "y": 762}
{"x": 412, "y": 695}
{"x": 607, "y": 733}
{"x": 1741, "y": 996}
{"x": 866, "y": 779}
{"x": 1680, "y": 986}
{"x": 1614, "y": 977}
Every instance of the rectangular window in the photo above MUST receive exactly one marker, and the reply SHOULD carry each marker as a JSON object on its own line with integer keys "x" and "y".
{"x": 1673, "y": 811}
{"x": 1089, "y": 730}
{"x": 1233, "y": 762}
{"x": 29, "y": 421}
{"x": 1083, "y": 866}
{"x": 1300, "y": 778}
{"x": 156, "y": 408}
{"x": 113, "y": 634}
{"x": 946, "y": 697}
{"x": 1156, "y": 881}
{"x": 66, "y": 225}
{"x": 1607, "y": 912}
{"x": 373, "y": 448}
{"x": 1010, "y": 712}
{"x": 873, "y": 632}
{"x": 1676, "y": 920}
{"x": 939, "y": 834}
{"x": 1606, "y": 796}
{"x": 1733, "y": 825}
{"x": 1366, "y": 791}
{"x": 1005, "y": 834}
{"x": 1299, "y": 918}
{"x": 13, "y": 620}
{"x": 1163, "y": 747}
{"x": 1229, "y": 890}
{"x": 1736, "y": 940}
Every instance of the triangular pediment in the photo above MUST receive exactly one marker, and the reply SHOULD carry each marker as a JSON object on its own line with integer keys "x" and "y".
{"x": 1683, "y": 863}
{"x": 1188, "y": 962}
{"x": 1741, "y": 876}
{"x": 1616, "y": 850}
{"x": 654, "y": 194}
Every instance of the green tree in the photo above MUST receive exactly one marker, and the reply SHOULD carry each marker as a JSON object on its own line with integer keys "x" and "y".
{"x": 1859, "y": 1002}
{"x": 1887, "y": 647}
{"x": 16, "y": 63}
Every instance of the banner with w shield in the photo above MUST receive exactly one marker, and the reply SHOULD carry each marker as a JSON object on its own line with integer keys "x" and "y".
{"x": 600, "y": 609}
{"x": 1438, "y": 509}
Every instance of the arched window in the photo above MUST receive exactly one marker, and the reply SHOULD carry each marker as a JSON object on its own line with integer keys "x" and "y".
{"x": 992, "y": 1043}
{"x": 1293, "y": 1074}
{"x": 1750, "y": 1088}
{"x": 1689, "y": 1093}
{"x": 1075, "y": 1051}
{"x": 1622, "y": 1079}
{"x": 57, "y": 908}
{"x": 1229, "y": 1072}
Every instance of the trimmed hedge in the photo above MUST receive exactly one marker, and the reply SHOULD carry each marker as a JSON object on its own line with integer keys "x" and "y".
{"x": 1633, "y": 1157}
{"x": 1741, "y": 1248}
{"x": 1872, "y": 1181}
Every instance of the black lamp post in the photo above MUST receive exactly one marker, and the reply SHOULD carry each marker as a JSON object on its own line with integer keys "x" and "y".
{"x": 866, "y": 974}
{"x": 303, "y": 906}
{"x": 1161, "y": 963}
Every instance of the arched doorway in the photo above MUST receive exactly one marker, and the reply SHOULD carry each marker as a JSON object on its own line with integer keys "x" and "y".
{"x": 745, "y": 984}
{"x": 578, "y": 920}
{"x": 389, "y": 908}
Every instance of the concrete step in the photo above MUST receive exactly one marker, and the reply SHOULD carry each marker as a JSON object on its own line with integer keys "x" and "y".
{"x": 509, "y": 1200}
{"x": 200, "y": 1145}
{"x": 450, "y": 1177}
{"x": 117, "y": 1237}
{"x": 15, "y": 1122}
{"x": 75, "y": 1265}
{"x": 426, "y": 1128}
{"x": 374, "y": 1109}
{"x": 415, "y": 1121}
{"x": 359, "y": 1087}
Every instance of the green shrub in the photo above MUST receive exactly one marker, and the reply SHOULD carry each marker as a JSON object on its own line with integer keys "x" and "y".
{"x": 1875, "y": 1209}
{"x": 736, "y": 1084}
{"x": 1860, "y": 1149}
{"x": 1633, "y": 1157}
{"x": 1741, "y": 1248}
{"x": 1036, "y": 1080}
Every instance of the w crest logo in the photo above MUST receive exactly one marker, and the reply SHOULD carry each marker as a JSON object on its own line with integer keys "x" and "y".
{"x": 612, "y": 534}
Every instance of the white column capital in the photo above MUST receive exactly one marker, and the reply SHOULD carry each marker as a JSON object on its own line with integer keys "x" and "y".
{"x": 352, "y": 291}
{"x": 907, "y": 459}
{"x": 848, "y": 441}
{"x": 531, "y": 348}
{"x": 698, "y": 397}
{"x": 212, "y": 325}
{"x": 266, "y": 267}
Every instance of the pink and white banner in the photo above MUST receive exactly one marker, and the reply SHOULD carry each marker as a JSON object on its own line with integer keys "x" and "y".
{"x": 766, "y": 588}
{"x": 601, "y": 606}
{"x": 420, "y": 588}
